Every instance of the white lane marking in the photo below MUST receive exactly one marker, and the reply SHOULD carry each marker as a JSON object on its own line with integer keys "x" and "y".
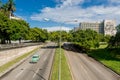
{"x": 35, "y": 73}
{"x": 19, "y": 74}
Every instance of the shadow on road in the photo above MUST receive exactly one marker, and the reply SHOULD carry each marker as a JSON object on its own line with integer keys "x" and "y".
{"x": 49, "y": 47}
{"x": 72, "y": 47}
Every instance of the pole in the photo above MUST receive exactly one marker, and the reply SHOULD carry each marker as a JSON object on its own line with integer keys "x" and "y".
{"x": 59, "y": 75}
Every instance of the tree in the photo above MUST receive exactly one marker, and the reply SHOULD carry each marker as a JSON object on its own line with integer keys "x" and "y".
{"x": 8, "y": 8}
{"x": 12, "y": 29}
{"x": 86, "y": 38}
{"x": 11, "y": 7}
{"x": 115, "y": 40}
{"x": 37, "y": 34}
{"x": 0, "y": 4}
{"x": 3, "y": 27}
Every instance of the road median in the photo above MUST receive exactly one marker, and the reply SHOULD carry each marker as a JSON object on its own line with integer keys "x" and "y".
{"x": 65, "y": 72}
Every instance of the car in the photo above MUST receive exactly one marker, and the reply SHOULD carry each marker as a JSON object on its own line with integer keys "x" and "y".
{"x": 35, "y": 58}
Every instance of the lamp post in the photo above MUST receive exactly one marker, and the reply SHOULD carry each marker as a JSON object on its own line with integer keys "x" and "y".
{"x": 60, "y": 42}
{"x": 59, "y": 73}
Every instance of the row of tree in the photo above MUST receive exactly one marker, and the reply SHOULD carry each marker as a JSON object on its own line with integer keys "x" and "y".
{"x": 11, "y": 29}
{"x": 84, "y": 38}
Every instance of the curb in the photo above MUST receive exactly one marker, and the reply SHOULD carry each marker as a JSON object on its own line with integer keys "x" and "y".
{"x": 69, "y": 66}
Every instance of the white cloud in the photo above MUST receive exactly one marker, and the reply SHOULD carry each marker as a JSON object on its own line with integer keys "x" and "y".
{"x": 115, "y": 1}
{"x": 70, "y": 10}
{"x": 67, "y": 3}
{"x": 56, "y": 28}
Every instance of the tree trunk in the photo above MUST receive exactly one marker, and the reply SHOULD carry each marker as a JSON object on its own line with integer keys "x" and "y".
{"x": 3, "y": 41}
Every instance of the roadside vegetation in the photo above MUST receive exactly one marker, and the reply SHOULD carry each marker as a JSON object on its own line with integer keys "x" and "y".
{"x": 13, "y": 62}
{"x": 65, "y": 72}
{"x": 13, "y": 29}
{"x": 103, "y": 48}
{"x": 87, "y": 41}
{"x": 110, "y": 58}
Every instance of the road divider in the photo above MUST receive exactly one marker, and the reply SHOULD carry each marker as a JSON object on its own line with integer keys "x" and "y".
{"x": 65, "y": 72}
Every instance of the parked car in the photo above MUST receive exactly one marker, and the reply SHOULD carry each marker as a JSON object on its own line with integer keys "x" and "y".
{"x": 35, "y": 58}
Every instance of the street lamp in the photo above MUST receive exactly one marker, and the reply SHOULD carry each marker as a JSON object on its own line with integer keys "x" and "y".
{"x": 59, "y": 75}
{"x": 60, "y": 42}
{"x": 46, "y": 19}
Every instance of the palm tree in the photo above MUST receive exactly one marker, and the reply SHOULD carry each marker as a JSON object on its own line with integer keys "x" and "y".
{"x": 0, "y": 4}
{"x": 11, "y": 7}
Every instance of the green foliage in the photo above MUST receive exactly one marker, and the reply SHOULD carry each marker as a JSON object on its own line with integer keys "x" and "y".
{"x": 115, "y": 41}
{"x": 4, "y": 23}
{"x": 104, "y": 38}
{"x": 107, "y": 57}
{"x": 86, "y": 38}
{"x": 0, "y": 4}
{"x": 11, "y": 5}
{"x": 37, "y": 34}
{"x": 54, "y": 36}
{"x": 118, "y": 28}
{"x": 19, "y": 29}
{"x": 8, "y": 8}
{"x": 65, "y": 36}
{"x": 12, "y": 29}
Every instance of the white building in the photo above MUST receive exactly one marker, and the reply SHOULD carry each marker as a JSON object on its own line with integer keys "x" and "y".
{"x": 13, "y": 17}
{"x": 106, "y": 27}
{"x": 110, "y": 27}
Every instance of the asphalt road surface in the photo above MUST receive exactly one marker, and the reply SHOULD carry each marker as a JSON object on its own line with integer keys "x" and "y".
{"x": 34, "y": 71}
{"x": 85, "y": 68}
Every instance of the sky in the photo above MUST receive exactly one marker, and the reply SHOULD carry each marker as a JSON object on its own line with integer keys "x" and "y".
{"x": 53, "y": 14}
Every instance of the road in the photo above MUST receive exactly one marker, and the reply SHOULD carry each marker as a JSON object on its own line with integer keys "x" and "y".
{"x": 85, "y": 68}
{"x": 34, "y": 71}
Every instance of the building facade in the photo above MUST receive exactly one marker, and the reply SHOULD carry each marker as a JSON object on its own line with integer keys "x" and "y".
{"x": 106, "y": 27}
{"x": 109, "y": 27}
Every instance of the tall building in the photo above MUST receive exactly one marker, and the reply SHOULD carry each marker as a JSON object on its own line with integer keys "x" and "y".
{"x": 106, "y": 27}
{"x": 109, "y": 27}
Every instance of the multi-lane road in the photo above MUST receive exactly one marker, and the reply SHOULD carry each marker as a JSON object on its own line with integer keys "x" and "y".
{"x": 85, "y": 68}
{"x": 34, "y": 71}
{"x": 81, "y": 66}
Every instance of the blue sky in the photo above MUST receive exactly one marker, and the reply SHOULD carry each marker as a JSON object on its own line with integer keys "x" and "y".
{"x": 64, "y": 12}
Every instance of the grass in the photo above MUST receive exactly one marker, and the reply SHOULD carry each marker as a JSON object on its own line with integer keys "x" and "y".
{"x": 11, "y": 63}
{"x": 107, "y": 57}
{"x": 65, "y": 72}
{"x": 103, "y": 46}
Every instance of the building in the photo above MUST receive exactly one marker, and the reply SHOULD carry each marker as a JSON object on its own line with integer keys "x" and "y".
{"x": 14, "y": 17}
{"x": 109, "y": 27}
{"x": 106, "y": 27}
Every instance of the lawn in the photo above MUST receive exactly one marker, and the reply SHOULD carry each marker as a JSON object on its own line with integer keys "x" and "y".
{"x": 110, "y": 58}
{"x": 65, "y": 72}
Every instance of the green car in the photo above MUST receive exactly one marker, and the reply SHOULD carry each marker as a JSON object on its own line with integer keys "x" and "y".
{"x": 35, "y": 58}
